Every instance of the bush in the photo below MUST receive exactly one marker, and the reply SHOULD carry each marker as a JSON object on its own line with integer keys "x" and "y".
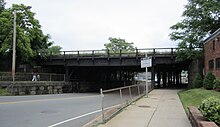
{"x": 4, "y": 92}
{"x": 209, "y": 81}
{"x": 216, "y": 83}
{"x": 197, "y": 82}
{"x": 210, "y": 108}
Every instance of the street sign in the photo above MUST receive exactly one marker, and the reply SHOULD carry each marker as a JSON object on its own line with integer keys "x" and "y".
{"x": 146, "y": 62}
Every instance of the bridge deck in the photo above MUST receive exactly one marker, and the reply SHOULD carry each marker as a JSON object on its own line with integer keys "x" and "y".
{"x": 108, "y": 58}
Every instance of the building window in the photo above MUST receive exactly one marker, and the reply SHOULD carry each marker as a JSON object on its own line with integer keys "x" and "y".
{"x": 213, "y": 45}
{"x": 211, "y": 64}
{"x": 217, "y": 63}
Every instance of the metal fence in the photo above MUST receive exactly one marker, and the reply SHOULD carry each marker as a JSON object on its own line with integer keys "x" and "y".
{"x": 107, "y": 53}
{"x": 113, "y": 100}
{"x": 7, "y": 76}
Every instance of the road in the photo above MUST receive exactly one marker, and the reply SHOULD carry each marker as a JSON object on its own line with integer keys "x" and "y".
{"x": 58, "y": 110}
{"x": 64, "y": 110}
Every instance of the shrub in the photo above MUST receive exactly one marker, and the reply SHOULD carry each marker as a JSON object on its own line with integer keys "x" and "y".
{"x": 210, "y": 108}
{"x": 4, "y": 92}
{"x": 209, "y": 81}
{"x": 216, "y": 83}
{"x": 197, "y": 82}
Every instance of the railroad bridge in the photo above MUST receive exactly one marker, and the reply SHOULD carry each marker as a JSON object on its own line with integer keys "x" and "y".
{"x": 94, "y": 69}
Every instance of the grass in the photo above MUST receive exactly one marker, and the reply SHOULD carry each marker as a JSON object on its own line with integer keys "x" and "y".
{"x": 4, "y": 92}
{"x": 194, "y": 97}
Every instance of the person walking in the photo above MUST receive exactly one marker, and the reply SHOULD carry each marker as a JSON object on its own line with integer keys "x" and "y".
{"x": 34, "y": 78}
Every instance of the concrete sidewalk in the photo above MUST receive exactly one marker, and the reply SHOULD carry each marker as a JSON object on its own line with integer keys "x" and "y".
{"x": 162, "y": 108}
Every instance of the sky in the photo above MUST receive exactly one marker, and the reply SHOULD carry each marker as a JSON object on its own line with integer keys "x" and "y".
{"x": 87, "y": 24}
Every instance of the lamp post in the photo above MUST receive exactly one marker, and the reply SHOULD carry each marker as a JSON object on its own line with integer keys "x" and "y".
{"x": 14, "y": 48}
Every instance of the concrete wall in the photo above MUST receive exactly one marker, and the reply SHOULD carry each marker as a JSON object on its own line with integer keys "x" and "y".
{"x": 36, "y": 88}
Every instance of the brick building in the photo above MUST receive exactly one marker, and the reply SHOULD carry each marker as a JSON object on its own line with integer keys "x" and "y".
{"x": 212, "y": 54}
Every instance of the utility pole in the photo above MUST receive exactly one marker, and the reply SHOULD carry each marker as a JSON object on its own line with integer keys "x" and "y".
{"x": 14, "y": 48}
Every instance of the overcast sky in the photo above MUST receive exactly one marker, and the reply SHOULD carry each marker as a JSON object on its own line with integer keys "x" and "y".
{"x": 87, "y": 24}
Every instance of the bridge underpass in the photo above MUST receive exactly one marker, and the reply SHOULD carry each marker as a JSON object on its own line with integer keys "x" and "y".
{"x": 91, "y": 70}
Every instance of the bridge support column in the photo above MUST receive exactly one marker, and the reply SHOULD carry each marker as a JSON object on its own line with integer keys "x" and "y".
{"x": 177, "y": 78}
{"x": 152, "y": 77}
{"x": 66, "y": 73}
{"x": 158, "y": 79}
{"x": 164, "y": 77}
{"x": 174, "y": 78}
{"x": 169, "y": 78}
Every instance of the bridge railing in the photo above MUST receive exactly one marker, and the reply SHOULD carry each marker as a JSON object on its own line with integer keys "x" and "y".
{"x": 157, "y": 51}
{"x": 110, "y": 54}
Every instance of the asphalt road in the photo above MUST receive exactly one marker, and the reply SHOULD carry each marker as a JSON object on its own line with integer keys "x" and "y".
{"x": 60, "y": 110}
{"x": 48, "y": 110}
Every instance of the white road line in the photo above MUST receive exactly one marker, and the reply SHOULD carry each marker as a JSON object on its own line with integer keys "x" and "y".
{"x": 74, "y": 118}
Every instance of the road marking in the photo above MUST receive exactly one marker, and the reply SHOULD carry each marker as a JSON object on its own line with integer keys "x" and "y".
{"x": 42, "y": 100}
{"x": 77, "y": 117}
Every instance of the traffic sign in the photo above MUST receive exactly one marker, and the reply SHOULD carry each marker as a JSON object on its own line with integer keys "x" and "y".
{"x": 146, "y": 62}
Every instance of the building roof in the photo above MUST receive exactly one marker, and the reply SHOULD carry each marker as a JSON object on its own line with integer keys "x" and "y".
{"x": 212, "y": 36}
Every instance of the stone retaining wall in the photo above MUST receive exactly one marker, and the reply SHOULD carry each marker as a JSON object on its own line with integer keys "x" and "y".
{"x": 36, "y": 88}
{"x": 197, "y": 119}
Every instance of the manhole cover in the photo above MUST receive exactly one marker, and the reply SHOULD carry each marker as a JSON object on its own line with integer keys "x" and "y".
{"x": 144, "y": 106}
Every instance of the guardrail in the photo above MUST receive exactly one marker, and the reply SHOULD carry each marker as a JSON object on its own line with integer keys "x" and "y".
{"x": 125, "y": 96}
{"x": 7, "y": 76}
{"x": 107, "y": 53}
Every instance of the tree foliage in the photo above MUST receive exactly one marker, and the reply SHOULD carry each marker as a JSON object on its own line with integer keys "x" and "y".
{"x": 52, "y": 50}
{"x": 29, "y": 37}
{"x": 198, "y": 81}
{"x": 2, "y": 5}
{"x": 209, "y": 81}
{"x": 55, "y": 50}
{"x": 117, "y": 44}
{"x": 201, "y": 18}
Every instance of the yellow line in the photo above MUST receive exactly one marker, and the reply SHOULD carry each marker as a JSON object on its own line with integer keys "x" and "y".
{"x": 43, "y": 100}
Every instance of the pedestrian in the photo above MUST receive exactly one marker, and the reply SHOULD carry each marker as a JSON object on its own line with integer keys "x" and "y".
{"x": 34, "y": 78}
{"x": 38, "y": 77}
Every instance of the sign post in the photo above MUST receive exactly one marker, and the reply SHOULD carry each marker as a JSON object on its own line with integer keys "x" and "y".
{"x": 145, "y": 63}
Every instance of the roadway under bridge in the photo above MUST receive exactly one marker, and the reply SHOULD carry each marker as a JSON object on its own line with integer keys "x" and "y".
{"x": 90, "y": 70}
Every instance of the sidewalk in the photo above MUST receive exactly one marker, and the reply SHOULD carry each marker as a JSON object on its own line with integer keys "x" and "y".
{"x": 162, "y": 108}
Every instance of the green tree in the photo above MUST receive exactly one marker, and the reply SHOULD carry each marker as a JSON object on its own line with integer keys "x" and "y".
{"x": 201, "y": 18}
{"x": 117, "y": 44}
{"x": 55, "y": 50}
{"x": 2, "y": 5}
{"x": 30, "y": 38}
{"x": 52, "y": 50}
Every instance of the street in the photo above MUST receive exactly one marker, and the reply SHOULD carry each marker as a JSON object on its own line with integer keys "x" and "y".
{"x": 64, "y": 110}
